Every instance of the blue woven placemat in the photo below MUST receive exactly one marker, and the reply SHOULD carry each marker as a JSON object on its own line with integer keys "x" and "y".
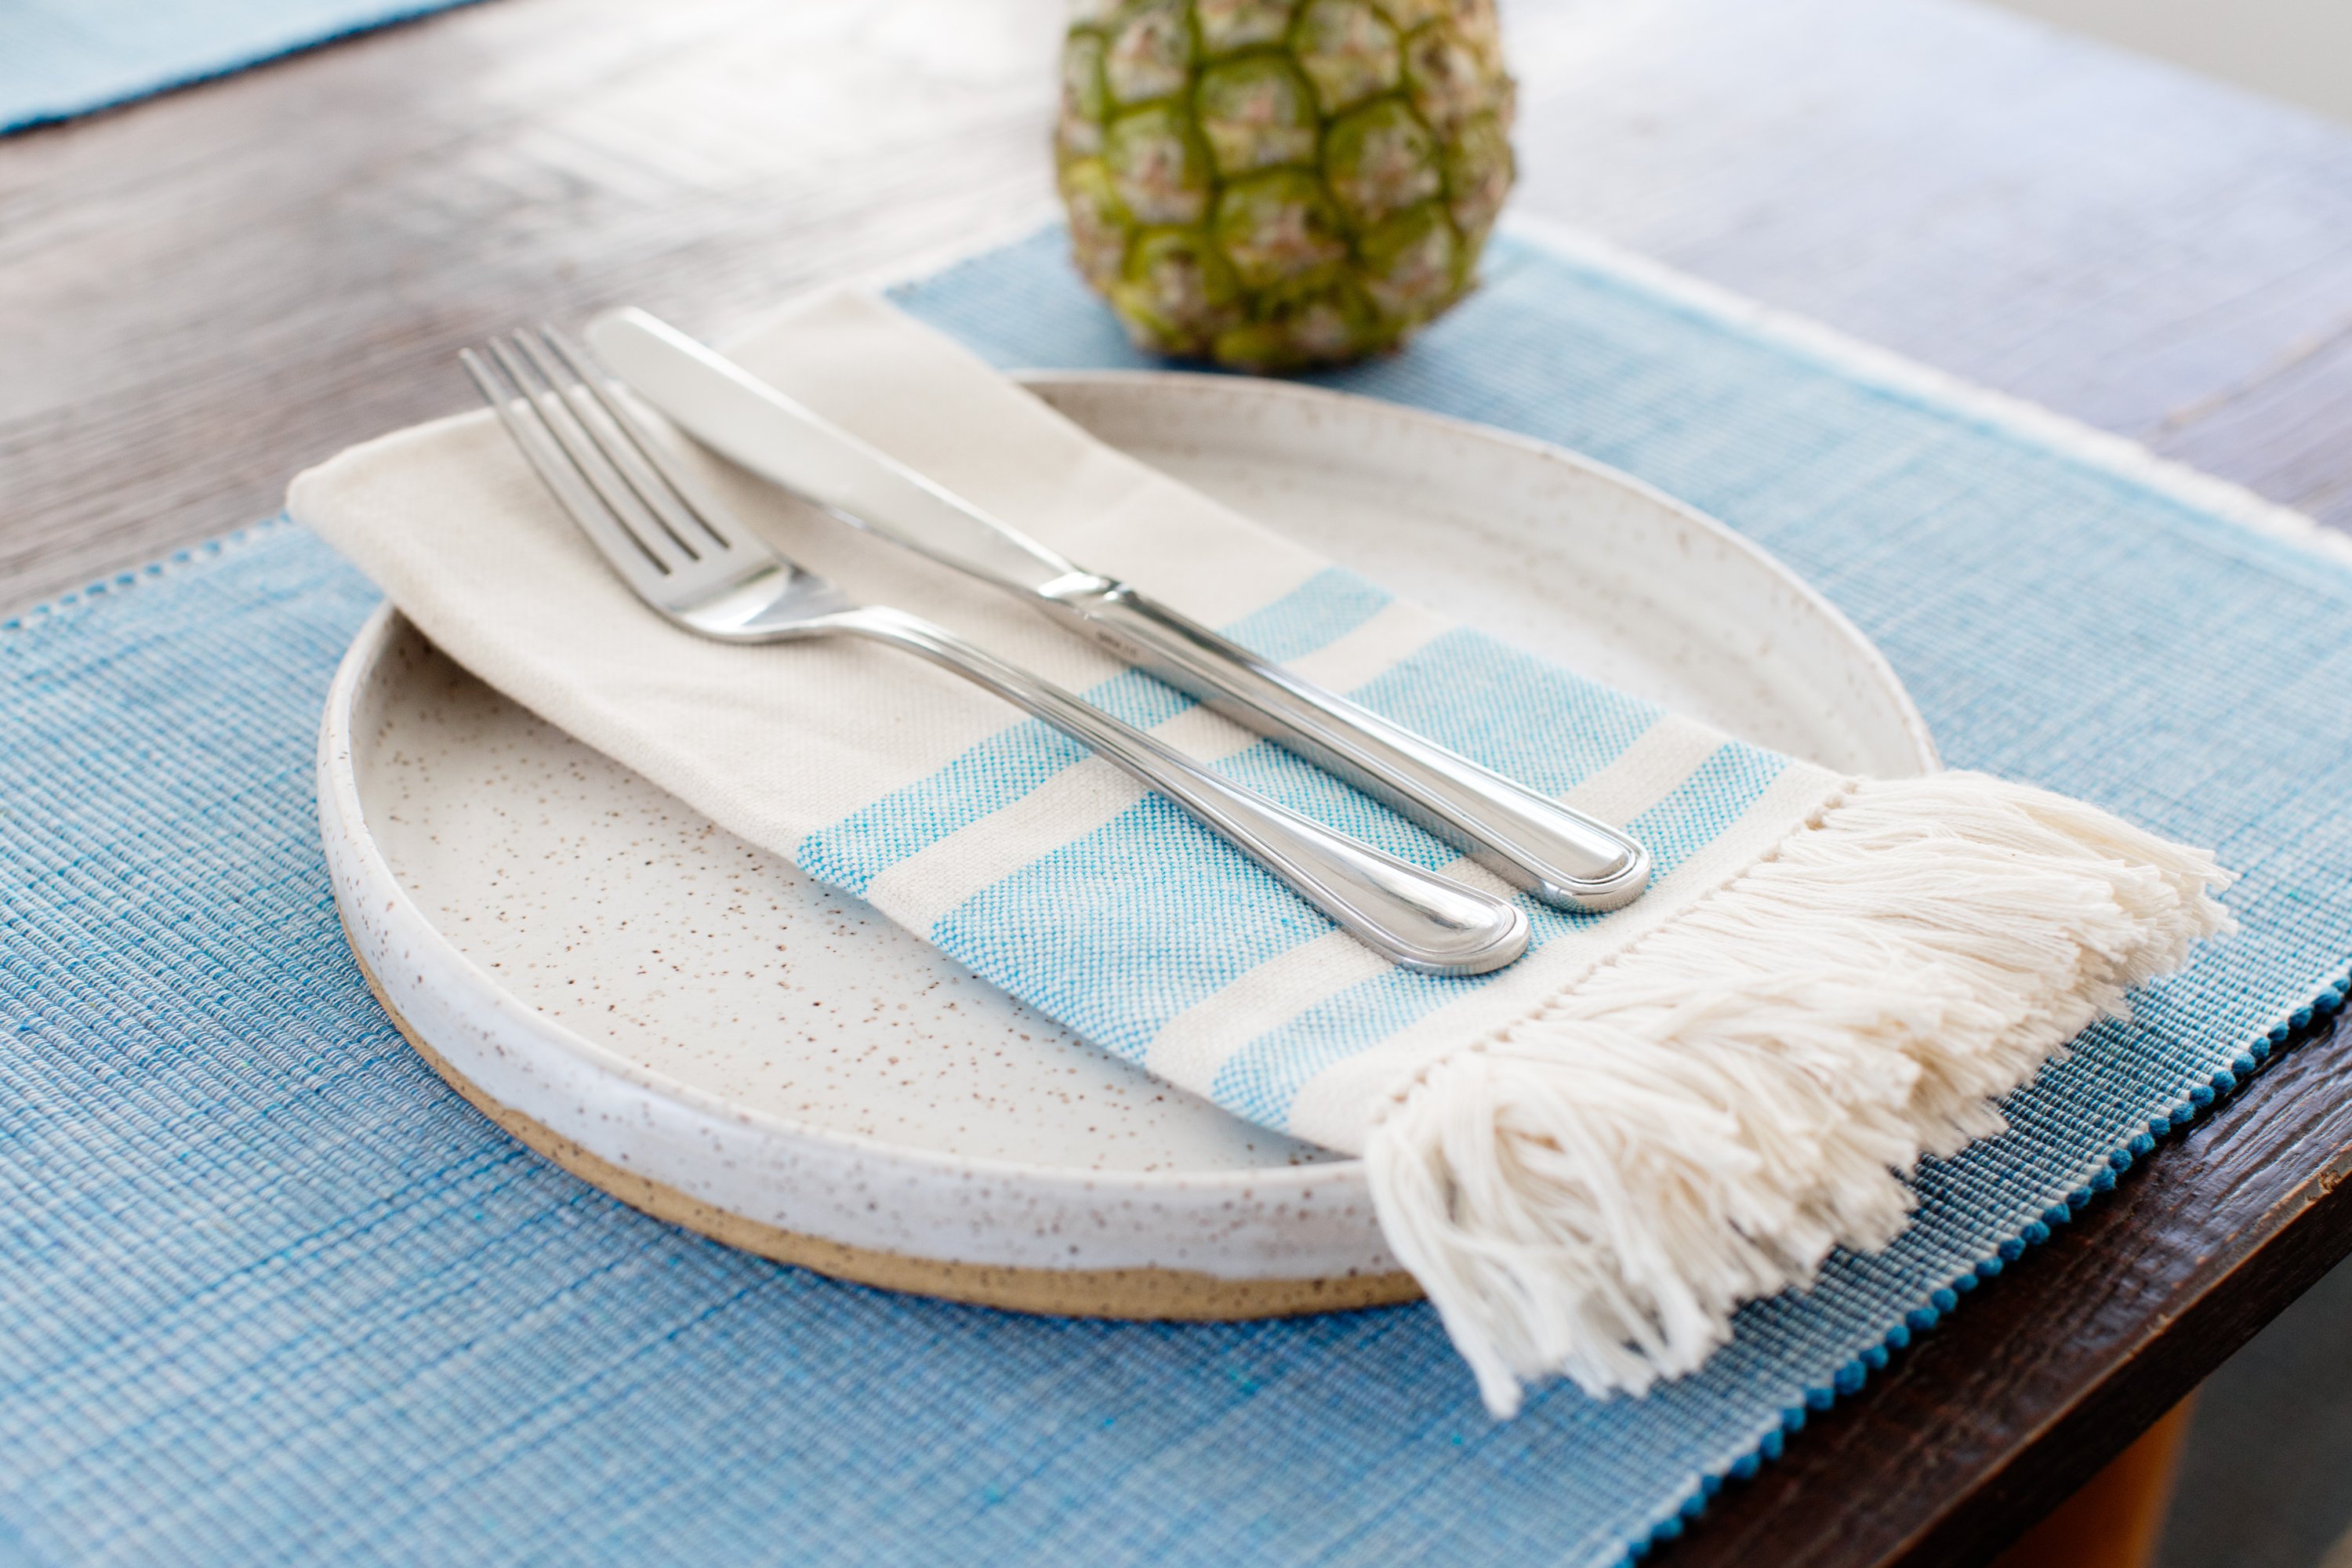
{"x": 269, "y": 1292}
{"x": 59, "y": 59}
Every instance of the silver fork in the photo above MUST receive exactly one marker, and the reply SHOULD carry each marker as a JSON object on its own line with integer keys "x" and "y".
{"x": 685, "y": 555}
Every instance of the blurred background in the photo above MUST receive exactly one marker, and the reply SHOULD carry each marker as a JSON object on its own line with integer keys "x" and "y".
{"x": 2265, "y": 1476}
{"x": 2300, "y": 51}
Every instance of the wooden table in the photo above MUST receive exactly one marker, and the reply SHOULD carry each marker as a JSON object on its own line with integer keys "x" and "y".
{"x": 201, "y": 294}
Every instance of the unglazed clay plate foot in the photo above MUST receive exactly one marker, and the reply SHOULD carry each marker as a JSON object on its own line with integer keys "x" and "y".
{"x": 696, "y": 1027}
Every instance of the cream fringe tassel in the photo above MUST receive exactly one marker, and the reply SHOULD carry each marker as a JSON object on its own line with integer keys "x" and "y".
{"x": 1696, "y": 1124}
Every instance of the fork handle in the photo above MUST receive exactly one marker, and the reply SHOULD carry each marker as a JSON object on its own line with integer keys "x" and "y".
{"x": 1415, "y": 917}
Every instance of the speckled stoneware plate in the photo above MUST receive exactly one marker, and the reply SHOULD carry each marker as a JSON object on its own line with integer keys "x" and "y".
{"x": 694, "y": 1025}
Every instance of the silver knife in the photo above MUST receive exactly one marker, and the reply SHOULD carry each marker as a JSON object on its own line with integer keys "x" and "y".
{"x": 1551, "y": 850}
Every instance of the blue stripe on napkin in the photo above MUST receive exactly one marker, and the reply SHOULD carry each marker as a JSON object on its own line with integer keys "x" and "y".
{"x": 1520, "y": 715}
{"x": 1009, "y": 764}
{"x": 1261, "y": 1079}
{"x": 1117, "y": 931}
{"x": 1127, "y": 925}
{"x": 1325, "y": 607}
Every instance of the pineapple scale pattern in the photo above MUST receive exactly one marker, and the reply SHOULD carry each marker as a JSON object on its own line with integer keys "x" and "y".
{"x": 1276, "y": 184}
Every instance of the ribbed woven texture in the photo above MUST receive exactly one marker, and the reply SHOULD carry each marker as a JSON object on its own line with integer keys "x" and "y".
{"x": 269, "y": 1293}
{"x": 63, "y": 58}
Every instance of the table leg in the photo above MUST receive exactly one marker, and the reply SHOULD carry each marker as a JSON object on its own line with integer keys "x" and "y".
{"x": 2116, "y": 1519}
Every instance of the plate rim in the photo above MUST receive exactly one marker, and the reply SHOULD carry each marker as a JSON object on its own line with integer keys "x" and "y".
{"x": 341, "y": 808}
{"x": 343, "y": 814}
{"x": 1912, "y": 722}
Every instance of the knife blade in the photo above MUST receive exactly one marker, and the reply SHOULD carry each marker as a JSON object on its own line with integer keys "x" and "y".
{"x": 1543, "y": 846}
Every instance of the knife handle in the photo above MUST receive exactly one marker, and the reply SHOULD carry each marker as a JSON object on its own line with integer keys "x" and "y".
{"x": 1553, "y": 852}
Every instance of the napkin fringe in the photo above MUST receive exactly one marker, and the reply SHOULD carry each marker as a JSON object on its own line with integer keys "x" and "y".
{"x": 1700, "y": 1118}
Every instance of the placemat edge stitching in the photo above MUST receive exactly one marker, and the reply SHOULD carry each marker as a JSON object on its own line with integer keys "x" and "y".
{"x": 1887, "y": 369}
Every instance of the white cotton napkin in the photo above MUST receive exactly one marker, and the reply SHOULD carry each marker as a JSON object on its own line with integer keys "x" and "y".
{"x": 1590, "y": 1159}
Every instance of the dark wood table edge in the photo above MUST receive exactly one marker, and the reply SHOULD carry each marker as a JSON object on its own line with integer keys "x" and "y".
{"x": 2305, "y": 1229}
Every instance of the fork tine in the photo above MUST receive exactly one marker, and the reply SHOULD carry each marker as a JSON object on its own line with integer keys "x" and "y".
{"x": 652, "y": 498}
{"x": 562, "y": 422}
{"x": 620, "y": 448}
{"x": 520, "y": 414}
{"x": 694, "y": 499}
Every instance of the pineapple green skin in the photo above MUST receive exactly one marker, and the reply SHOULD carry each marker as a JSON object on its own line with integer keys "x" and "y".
{"x": 1278, "y": 183}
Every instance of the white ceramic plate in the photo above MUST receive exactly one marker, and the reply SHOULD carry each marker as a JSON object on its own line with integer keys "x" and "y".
{"x": 695, "y": 1025}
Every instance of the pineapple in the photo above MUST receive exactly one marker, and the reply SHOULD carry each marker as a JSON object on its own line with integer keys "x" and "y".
{"x": 1277, "y": 183}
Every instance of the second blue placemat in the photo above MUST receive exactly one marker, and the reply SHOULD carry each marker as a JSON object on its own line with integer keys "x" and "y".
{"x": 59, "y": 59}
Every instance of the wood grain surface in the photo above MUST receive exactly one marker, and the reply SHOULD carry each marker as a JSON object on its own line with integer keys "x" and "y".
{"x": 201, "y": 294}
